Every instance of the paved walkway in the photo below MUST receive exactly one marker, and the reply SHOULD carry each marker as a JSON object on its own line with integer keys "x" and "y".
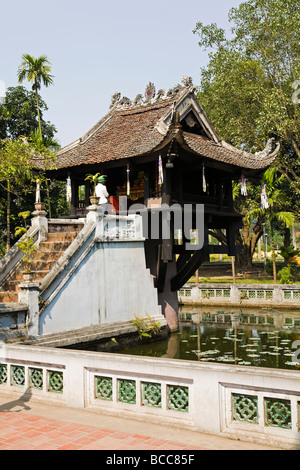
{"x": 34, "y": 426}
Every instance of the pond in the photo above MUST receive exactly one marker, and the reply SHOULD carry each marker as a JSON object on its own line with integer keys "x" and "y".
{"x": 263, "y": 338}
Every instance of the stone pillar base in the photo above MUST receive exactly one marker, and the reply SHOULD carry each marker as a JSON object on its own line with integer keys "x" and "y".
{"x": 29, "y": 295}
{"x": 169, "y": 300}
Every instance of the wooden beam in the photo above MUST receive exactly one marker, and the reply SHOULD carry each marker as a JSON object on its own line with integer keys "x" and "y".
{"x": 161, "y": 270}
{"x": 187, "y": 270}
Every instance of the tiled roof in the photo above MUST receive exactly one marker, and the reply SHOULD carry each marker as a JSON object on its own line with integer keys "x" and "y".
{"x": 225, "y": 153}
{"x": 135, "y": 128}
{"x": 123, "y": 134}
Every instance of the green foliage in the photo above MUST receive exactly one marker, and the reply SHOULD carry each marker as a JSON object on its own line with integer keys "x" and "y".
{"x": 18, "y": 115}
{"x": 269, "y": 266}
{"x": 94, "y": 181}
{"x": 246, "y": 90}
{"x": 265, "y": 48}
{"x": 243, "y": 296}
{"x": 288, "y": 252}
{"x": 27, "y": 148}
{"x": 285, "y": 275}
{"x": 22, "y": 162}
{"x": 26, "y": 243}
{"x": 147, "y": 326}
{"x": 248, "y": 85}
{"x": 36, "y": 71}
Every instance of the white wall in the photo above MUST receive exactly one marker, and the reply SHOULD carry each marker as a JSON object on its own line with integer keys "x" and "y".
{"x": 110, "y": 284}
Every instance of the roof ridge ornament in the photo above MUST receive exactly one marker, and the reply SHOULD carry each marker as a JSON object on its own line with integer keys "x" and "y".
{"x": 115, "y": 99}
{"x": 149, "y": 92}
{"x": 150, "y": 95}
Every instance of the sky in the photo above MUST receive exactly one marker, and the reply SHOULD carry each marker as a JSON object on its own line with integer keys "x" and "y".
{"x": 99, "y": 47}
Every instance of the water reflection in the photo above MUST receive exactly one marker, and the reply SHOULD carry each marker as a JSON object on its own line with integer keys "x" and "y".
{"x": 252, "y": 338}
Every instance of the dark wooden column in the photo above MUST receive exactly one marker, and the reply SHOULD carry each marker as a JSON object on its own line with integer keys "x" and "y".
{"x": 74, "y": 198}
{"x": 87, "y": 193}
{"x": 229, "y": 196}
{"x": 167, "y": 244}
{"x": 146, "y": 184}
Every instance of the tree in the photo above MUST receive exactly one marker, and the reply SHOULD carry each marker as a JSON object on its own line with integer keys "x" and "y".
{"x": 248, "y": 89}
{"x": 248, "y": 85}
{"x": 21, "y": 160}
{"x": 18, "y": 115}
{"x": 36, "y": 71}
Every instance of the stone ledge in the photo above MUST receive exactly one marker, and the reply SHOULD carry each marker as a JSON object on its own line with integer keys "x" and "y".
{"x": 94, "y": 333}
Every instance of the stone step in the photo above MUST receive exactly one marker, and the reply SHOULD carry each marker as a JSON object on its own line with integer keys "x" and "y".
{"x": 47, "y": 255}
{"x": 43, "y": 265}
{"x": 43, "y": 261}
{"x": 54, "y": 246}
{"x": 62, "y": 236}
{"x": 11, "y": 286}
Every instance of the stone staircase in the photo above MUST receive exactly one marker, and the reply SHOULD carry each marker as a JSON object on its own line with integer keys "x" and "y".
{"x": 44, "y": 259}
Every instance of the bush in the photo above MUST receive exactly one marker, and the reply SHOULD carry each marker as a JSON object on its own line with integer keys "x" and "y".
{"x": 285, "y": 276}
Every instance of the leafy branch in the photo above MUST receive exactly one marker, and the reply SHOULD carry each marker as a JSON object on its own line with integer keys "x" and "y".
{"x": 147, "y": 327}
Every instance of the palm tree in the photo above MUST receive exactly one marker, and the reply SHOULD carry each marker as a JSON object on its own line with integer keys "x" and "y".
{"x": 36, "y": 71}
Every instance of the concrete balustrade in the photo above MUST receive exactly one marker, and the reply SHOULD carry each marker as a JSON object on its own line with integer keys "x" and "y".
{"x": 254, "y": 295}
{"x": 252, "y": 404}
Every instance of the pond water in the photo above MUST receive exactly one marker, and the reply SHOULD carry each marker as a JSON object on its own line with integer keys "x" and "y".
{"x": 263, "y": 338}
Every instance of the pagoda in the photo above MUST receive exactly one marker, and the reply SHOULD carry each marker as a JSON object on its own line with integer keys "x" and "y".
{"x": 160, "y": 149}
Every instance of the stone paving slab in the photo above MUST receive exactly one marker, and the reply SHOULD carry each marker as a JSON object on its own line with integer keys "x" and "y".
{"x": 33, "y": 425}
{"x": 19, "y": 431}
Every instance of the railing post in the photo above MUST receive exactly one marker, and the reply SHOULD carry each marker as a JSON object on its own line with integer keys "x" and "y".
{"x": 40, "y": 220}
{"x": 278, "y": 296}
{"x": 234, "y": 293}
{"x": 29, "y": 295}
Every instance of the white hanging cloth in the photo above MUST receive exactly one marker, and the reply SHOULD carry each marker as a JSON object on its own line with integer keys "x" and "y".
{"x": 38, "y": 192}
{"x": 69, "y": 190}
{"x": 160, "y": 171}
{"x": 203, "y": 179}
{"x": 128, "y": 180}
{"x": 264, "y": 197}
{"x": 243, "y": 186}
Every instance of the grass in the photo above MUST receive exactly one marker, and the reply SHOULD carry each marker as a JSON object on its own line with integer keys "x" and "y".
{"x": 258, "y": 266}
{"x": 240, "y": 280}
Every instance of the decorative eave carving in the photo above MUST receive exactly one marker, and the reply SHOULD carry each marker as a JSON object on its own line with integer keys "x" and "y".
{"x": 265, "y": 154}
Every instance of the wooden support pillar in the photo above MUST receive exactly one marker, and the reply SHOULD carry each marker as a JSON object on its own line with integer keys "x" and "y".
{"x": 167, "y": 243}
{"x": 220, "y": 194}
{"x": 87, "y": 193}
{"x": 229, "y": 195}
{"x": 74, "y": 197}
{"x": 146, "y": 184}
{"x": 168, "y": 299}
